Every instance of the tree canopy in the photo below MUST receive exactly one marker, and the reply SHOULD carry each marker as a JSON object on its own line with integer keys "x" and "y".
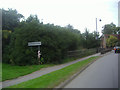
{"x": 89, "y": 39}
{"x": 10, "y": 19}
{"x": 56, "y": 40}
{"x": 111, "y": 41}
{"x": 110, "y": 29}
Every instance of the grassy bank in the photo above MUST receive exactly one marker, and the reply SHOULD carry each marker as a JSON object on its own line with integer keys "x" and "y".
{"x": 0, "y": 71}
{"x": 17, "y": 71}
{"x": 53, "y": 79}
{"x": 10, "y": 72}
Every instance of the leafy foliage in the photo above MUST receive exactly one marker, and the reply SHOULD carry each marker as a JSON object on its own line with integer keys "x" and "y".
{"x": 111, "y": 41}
{"x": 56, "y": 40}
{"x": 118, "y": 30}
{"x": 109, "y": 29}
{"x": 5, "y": 44}
{"x": 89, "y": 39}
{"x": 10, "y": 19}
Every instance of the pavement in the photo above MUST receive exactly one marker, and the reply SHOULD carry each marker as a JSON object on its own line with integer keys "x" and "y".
{"x": 41, "y": 72}
{"x": 103, "y": 73}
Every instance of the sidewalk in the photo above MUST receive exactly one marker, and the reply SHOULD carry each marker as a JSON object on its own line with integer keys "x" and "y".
{"x": 41, "y": 72}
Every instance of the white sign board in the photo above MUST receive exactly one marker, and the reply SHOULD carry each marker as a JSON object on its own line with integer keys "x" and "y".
{"x": 34, "y": 43}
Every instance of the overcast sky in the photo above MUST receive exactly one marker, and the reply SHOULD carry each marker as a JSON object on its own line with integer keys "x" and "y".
{"x": 79, "y": 13}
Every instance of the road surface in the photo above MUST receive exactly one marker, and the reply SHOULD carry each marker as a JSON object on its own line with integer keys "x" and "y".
{"x": 101, "y": 74}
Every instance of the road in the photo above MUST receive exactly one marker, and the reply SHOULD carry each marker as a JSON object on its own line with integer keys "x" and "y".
{"x": 101, "y": 74}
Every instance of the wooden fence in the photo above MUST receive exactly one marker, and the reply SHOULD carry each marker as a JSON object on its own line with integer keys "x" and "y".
{"x": 86, "y": 52}
{"x": 81, "y": 53}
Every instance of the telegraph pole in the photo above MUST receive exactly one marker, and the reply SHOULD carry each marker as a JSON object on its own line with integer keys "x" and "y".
{"x": 96, "y": 27}
{"x": 96, "y": 24}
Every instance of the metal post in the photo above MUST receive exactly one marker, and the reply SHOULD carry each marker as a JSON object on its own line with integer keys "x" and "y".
{"x": 96, "y": 24}
{"x": 96, "y": 28}
{"x": 39, "y": 48}
{"x": 39, "y": 54}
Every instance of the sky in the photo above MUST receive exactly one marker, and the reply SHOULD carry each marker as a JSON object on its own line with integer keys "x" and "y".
{"x": 80, "y": 14}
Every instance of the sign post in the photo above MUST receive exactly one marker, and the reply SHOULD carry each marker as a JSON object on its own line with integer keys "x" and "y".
{"x": 36, "y": 44}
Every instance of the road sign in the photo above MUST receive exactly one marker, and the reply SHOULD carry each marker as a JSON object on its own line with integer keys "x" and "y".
{"x": 34, "y": 43}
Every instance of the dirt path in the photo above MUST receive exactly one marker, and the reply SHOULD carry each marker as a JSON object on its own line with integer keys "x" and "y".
{"x": 41, "y": 72}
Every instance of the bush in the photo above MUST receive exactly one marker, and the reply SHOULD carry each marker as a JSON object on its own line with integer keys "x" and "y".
{"x": 56, "y": 41}
{"x": 6, "y": 34}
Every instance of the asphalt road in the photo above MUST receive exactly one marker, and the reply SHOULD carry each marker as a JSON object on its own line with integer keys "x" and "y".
{"x": 101, "y": 74}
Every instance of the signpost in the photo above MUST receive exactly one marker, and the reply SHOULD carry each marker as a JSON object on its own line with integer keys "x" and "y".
{"x": 36, "y": 44}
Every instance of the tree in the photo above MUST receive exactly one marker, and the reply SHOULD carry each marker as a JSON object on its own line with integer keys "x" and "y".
{"x": 89, "y": 39}
{"x": 109, "y": 29}
{"x": 5, "y": 45}
{"x": 69, "y": 26}
{"x": 118, "y": 30}
{"x": 111, "y": 41}
{"x": 56, "y": 41}
{"x": 10, "y": 19}
{"x": 32, "y": 18}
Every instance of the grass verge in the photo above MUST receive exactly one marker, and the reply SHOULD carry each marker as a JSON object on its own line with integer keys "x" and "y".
{"x": 17, "y": 71}
{"x": 11, "y": 72}
{"x": 14, "y": 71}
{"x": 53, "y": 79}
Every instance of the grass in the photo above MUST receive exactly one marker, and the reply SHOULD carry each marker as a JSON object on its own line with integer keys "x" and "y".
{"x": 17, "y": 71}
{"x": 0, "y": 71}
{"x": 10, "y": 71}
{"x": 53, "y": 79}
{"x": 69, "y": 59}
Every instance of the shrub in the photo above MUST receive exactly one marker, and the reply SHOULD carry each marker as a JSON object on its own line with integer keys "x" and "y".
{"x": 56, "y": 41}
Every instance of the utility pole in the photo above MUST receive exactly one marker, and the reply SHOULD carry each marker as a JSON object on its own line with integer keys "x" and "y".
{"x": 96, "y": 27}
